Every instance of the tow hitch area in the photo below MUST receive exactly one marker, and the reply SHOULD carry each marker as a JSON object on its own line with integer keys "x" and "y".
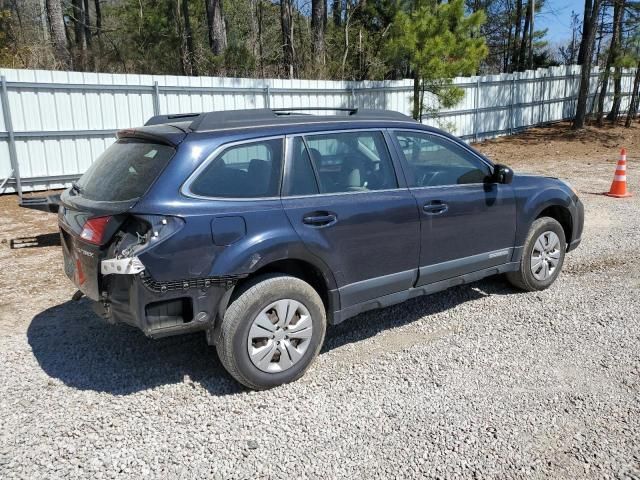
{"x": 50, "y": 203}
{"x": 122, "y": 266}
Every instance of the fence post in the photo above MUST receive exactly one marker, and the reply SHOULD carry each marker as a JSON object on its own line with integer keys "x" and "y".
{"x": 267, "y": 96}
{"x": 353, "y": 97}
{"x": 476, "y": 118}
{"x": 543, "y": 96}
{"x": 566, "y": 81}
{"x": 8, "y": 125}
{"x": 156, "y": 99}
{"x": 511, "y": 106}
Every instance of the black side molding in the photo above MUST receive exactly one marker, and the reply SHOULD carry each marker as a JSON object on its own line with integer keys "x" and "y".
{"x": 399, "y": 297}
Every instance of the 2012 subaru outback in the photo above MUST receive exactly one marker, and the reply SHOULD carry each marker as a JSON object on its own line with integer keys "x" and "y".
{"x": 259, "y": 227}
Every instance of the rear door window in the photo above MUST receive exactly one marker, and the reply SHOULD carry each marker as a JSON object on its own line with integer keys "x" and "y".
{"x": 125, "y": 170}
{"x": 342, "y": 162}
{"x": 248, "y": 170}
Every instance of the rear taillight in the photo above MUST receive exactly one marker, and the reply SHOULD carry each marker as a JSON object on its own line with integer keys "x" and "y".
{"x": 94, "y": 230}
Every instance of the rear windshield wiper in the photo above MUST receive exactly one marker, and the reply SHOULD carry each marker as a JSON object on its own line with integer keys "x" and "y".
{"x": 76, "y": 188}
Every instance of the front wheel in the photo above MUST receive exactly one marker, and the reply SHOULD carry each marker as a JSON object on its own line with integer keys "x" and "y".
{"x": 542, "y": 257}
{"x": 272, "y": 332}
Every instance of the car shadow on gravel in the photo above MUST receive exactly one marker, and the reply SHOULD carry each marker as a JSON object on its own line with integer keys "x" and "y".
{"x": 73, "y": 345}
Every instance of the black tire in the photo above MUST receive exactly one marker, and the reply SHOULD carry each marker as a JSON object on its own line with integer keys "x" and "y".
{"x": 524, "y": 278}
{"x": 238, "y": 319}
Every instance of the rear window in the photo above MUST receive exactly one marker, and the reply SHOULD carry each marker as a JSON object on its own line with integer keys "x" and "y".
{"x": 247, "y": 170}
{"x": 125, "y": 170}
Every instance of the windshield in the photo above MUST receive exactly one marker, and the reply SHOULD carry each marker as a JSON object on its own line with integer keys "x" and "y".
{"x": 124, "y": 171}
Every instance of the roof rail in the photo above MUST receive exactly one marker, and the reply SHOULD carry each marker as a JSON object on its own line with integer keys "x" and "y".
{"x": 284, "y": 111}
{"x": 174, "y": 117}
{"x": 229, "y": 118}
{"x": 240, "y": 118}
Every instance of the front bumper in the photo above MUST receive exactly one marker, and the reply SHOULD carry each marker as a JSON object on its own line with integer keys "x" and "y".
{"x": 162, "y": 308}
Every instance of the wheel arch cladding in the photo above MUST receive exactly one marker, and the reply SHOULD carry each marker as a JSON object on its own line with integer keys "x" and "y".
{"x": 554, "y": 202}
{"x": 319, "y": 277}
{"x": 563, "y": 216}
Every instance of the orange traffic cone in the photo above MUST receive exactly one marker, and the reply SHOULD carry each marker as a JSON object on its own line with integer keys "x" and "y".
{"x": 619, "y": 186}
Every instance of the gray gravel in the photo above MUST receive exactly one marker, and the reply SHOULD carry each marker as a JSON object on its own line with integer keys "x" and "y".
{"x": 479, "y": 381}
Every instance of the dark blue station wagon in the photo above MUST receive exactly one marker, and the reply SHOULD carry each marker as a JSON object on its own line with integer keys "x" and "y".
{"x": 259, "y": 227}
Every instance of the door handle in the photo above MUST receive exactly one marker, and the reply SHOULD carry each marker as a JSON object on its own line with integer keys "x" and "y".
{"x": 435, "y": 208}
{"x": 320, "y": 219}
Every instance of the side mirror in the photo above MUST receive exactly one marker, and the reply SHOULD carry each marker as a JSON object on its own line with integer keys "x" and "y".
{"x": 502, "y": 174}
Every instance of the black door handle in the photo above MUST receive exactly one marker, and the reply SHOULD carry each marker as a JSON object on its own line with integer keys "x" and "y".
{"x": 435, "y": 208}
{"x": 320, "y": 219}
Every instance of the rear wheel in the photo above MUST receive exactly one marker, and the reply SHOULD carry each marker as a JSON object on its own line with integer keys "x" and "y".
{"x": 272, "y": 331}
{"x": 543, "y": 256}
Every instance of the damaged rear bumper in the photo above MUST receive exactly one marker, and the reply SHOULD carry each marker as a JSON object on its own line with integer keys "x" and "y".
{"x": 159, "y": 309}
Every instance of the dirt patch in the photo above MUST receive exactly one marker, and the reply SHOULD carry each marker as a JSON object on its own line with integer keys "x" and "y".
{"x": 387, "y": 342}
{"x": 557, "y": 147}
{"x": 598, "y": 265}
{"x": 31, "y": 263}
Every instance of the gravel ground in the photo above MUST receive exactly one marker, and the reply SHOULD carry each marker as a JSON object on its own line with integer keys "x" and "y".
{"x": 480, "y": 381}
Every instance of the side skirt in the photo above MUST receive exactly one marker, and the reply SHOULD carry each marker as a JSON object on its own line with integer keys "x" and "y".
{"x": 399, "y": 297}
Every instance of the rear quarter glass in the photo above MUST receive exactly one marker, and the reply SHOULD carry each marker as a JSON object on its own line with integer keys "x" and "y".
{"x": 125, "y": 170}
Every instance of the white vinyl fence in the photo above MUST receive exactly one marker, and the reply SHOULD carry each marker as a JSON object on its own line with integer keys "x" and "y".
{"x": 54, "y": 124}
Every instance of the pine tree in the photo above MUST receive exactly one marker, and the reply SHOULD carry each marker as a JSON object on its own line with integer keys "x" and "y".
{"x": 438, "y": 42}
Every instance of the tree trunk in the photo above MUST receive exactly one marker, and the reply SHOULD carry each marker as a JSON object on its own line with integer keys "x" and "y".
{"x": 522, "y": 56}
{"x": 617, "y": 95}
{"x": 600, "y": 34}
{"x": 253, "y": 22}
{"x": 345, "y": 55}
{"x": 506, "y": 52}
{"x": 216, "y": 26}
{"x": 286, "y": 22}
{"x": 532, "y": 16}
{"x": 589, "y": 25}
{"x": 79, "y": 31}
{"x": 603, "y": 93}
{"x": 190, "y": 57}
{"x": 635, "y": 98}
{"x": 87, "y": 23}
{"x": 572, "y": 59}
{"x": 336, "y": 12}
{"x": 586, "y": 33}
{"x": 318, "y": 9}
{"x": 260, "y": 15}
{"x": 58, "y": 35}
{"x": 616, "y": 38}
{"x": 42, "y": 19}
{"x": 416, "y": 97}
{"x": 611, "y": 58}
{"x": 98, "y": 17}
{"x": 515, "y": 55}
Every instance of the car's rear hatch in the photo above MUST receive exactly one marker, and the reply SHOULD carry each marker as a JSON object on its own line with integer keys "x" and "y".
{"x": 96, "y": 207}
